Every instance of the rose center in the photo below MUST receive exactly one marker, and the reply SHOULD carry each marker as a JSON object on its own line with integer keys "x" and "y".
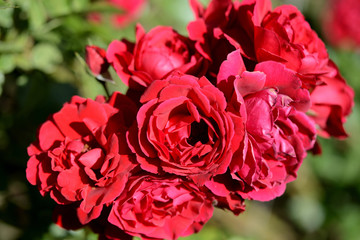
{"x": 199, "y": 133}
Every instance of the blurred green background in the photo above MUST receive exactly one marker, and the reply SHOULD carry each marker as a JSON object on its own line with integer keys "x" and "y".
{"x": 40, "y": 41}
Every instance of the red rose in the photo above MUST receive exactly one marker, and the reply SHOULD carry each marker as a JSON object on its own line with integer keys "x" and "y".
{"x": 277, "y": 137}
{"x": 340, "y": 23}
{"x": 161, "y": 208}
{"x": 225, "y": 191}
{"x": 277, "y": 76}
{"x": 286, "y": 26}
{"x": 225, "y": 26}
{"x": 96, "y": 60}
{"x": 332, "y": 102}
{"x": 80, "y": 155}
{"x": 261, "y": 34}
{"x": 203, "y": 31}
{"x": 183, "y": 128}
{"x": 130, "y": 11}
{"x": 270, "y": 102}
{"x": 328, "y": 112}
{"x": 154, "y": 56}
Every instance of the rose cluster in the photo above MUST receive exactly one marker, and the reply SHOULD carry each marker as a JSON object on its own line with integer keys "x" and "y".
{"x": 226, "y": 114}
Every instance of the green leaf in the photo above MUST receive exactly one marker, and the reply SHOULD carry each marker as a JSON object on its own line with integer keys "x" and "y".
{"x": 6, "y": 15}
{"x": 14, "y": 43}
{"x": 103, "y": 7}
{"x": 7, "y": 63}
{"x": 81, "y": 60}
{"x": 47, "y": 33}
{"x": 23, "y": 4}
{"x": 5, "y": 4}
{"x": 118, "y": 84}
{"x": 64, "y": 8}
{"x": 311, "y": 216}
{"x": 79, "y": 5}
{"x": 208, "y": 233}
{"x": 37, "y": 14}
{"x": 57, "y": 8}
{"x": 45, "y": 57}
{"x": 2, "y": 81}
{"x": 76, "y": 25}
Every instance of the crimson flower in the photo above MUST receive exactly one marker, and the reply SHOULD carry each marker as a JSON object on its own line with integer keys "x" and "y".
{"x": 161, "y": 207}
{"x": 154, "y": 56}
{"x": 80, "y": 155}
{"x": 182, "y": 128}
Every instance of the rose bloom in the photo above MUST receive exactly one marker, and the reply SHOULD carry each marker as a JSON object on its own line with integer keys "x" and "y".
{"x": 95, "y": 58}
{"x": 340, "y": 23}
{"x": 154, "y": 56}
{"x": 161, "y": 207}
{"x": 227, "y": 192}
{"x": 182, "y": 128}
{"x": 131, "y": 10}
{"x": 282, "y": 35}
{"x": 332, "y": 102}
{"x": 276, "y": 136}
{"x": 80, "y": 157}
{"x": 262, "y": 34}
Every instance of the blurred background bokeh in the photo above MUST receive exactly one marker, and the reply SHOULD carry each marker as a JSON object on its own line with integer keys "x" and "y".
{"x": 42, "y": 44}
